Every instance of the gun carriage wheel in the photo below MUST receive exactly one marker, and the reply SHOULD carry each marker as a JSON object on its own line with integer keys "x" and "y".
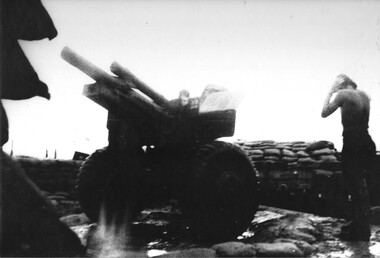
{"x": 111, "y": 185}
{"x": 224, "y": 195}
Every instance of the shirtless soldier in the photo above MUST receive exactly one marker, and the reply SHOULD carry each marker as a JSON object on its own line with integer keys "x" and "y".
{"x": 358, "y": 150}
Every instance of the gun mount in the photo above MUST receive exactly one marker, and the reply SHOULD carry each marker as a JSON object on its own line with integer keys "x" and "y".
{"x": 160, "y": 148}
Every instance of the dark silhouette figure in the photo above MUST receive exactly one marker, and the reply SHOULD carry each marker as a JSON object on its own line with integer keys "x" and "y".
{"x": 26, "y": 20}
{"x": 29, "y": 223}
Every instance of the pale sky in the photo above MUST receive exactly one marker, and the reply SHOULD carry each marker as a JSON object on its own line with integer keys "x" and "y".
{"x": 284, "y": 56}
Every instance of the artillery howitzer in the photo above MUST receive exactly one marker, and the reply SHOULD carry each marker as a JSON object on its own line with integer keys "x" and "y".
{"x": 160, "y": 149}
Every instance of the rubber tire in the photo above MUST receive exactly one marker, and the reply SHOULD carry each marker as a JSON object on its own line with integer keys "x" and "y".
{"x": 102, "y": 184}
{"x": 224, "y": 192}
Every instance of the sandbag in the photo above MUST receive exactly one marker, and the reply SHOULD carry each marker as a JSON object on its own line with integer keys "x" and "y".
{"x": 255, "y": 152}
{"x": 324, "y": 151}
{"x": 327, "y": 158}
{"x": 289, "y": 159}
{"x": 272, "y": 152}
{"x": 303, "y": 154}
{"x": 288, "y": 153}
{"x": 272, "y": 158}
{"x": 319, "y": 145}
{"x": 306, "y": 160}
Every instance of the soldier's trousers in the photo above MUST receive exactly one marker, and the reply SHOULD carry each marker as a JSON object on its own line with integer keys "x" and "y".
{"x": 357, "y": 154}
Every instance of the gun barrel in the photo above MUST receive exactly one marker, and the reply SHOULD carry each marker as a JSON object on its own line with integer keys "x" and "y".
{"x": 129, "y": 77}
{"x": 85, "y": 66}
{"x": 109, "y": 85}
{"x": 106, "y": 97}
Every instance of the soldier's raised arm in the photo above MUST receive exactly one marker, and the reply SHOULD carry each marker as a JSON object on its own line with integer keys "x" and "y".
{"x": 329, "y": 106}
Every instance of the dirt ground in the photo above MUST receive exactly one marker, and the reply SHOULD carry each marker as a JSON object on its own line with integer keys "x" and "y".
{"x": 330, "y": 246}
{"x": 157, "y": 237}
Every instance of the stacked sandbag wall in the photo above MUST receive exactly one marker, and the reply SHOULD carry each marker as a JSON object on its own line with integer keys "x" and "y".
{"x": 299, "y": 175}
{"x": 51, "y": 174}
{"x": 56, "y": 179}
{"x": 318, "y": 155}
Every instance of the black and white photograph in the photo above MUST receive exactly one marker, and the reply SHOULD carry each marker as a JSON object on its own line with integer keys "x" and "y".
{"x": 190, "y": 128}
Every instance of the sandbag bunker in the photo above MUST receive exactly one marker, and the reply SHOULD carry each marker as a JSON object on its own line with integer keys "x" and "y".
{"x": 303, "y": 176}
